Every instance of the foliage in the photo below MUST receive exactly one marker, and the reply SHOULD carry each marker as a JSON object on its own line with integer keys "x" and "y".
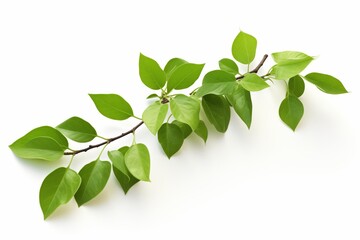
{"x": 171, "y": 115}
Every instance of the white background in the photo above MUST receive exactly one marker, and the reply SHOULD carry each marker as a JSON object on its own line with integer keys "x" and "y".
{"x": 266, "y": 183}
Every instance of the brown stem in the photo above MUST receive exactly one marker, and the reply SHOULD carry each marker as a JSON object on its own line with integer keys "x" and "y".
{"x": 105, "y": 142}
{"x": 255, "y": 70}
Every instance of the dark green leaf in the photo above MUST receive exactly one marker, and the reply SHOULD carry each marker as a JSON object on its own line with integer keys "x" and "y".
{"x": 173, "y": 64}
{"x": 57, "y": 189}
{"x": 184, "y": 76}
{"x": 240, "y": 99}
{"x": 291, "y": 111}
{"x": 296, "y": 86}
{"x": 154, "y": 115}
{"x": 112, "y": 106}
{"x": 289, "y": 64}
{"x": 77, "y": 129}
{"x": 252, "y": 82}
{"x": 202, "y": 131}
{"x": 326, "y": 83}
{"x": 137, "y": 161}
{"x": 151, "y": 73}
{"x": 170, "y": 138}
{"x": 186, "y": 129}
{"x": 217, "y": 82}
{"x": 122, "y": 174}
{"x": 244, "y": 48}
{"x": 229, "y": 66}
{"x": 186, "y": 109}
{"x": 94, "y": 176}
{"x": 217, "y": 110}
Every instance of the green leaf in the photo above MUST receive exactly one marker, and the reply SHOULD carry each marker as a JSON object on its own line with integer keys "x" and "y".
{"x": 153, "y": 95}
{"x": 240, "y": 99}
{"x": 94, "y": 177}
{"x": 217, "y": 110}
{"x": 112, "y": 106}
{"x": 137, "y": 161}
{"x": 173, "y": 64}
{"x": 244, "y": 48}
{"x": 151, "y": 73}
{"x": 296, "y": 86}
{"x": 252, "y": 82}
{"x": 289, "y": 64}
{"x": 185, "y": 109}
{"x": 326, "y": 83}
{"x": 170, "y": 138}
{"x": 184, "y": 76}
{"x": 217, "y": 82}
{"x": 229, "y": 66}
{"x": 154, "y": 115}
{"x": 202, "y": 131}
{"x": 186, "y": 129}
{"x": 77, "y": 129}
{"x": 45, "y": 143}
{"x": 57, "y": 189}
{"x": 291, "y": 111}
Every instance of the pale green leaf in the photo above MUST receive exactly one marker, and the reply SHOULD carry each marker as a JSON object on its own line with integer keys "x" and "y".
{"x": 137, "y": 161}
{"x": 173, "y": 64}
{"x": 252, "y": 82}
{"x": 217, "y": 82}
{"x": 244, "y": 48}
{"x": 240, "y": 99}
{"x": 77, "y": 129}
{"x": 326, "y": 83}
{"x": 217, "y": 110}
{"x": 154, "y": 115}
{"x": 170, "y": 138}
{"x": 291, "y": 111}
{"x": 151, "y": 73}
{"x": 202, "y": 131}
{"x": 185, "y": 109}
{"x": 112, "y": 106}
{"x": 57, "y": 189}
{"x": 229, "y": 66}
{"x": 184, "y": 76}
{"x": 296, "y": 86}
{"x": 153, "y": 95}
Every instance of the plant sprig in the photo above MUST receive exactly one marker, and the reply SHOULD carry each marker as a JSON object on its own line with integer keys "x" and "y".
{"x": 172, "y": 116}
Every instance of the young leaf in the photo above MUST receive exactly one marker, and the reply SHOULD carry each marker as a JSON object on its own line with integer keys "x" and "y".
{"x": 326, "y": 83}
{"x": 94, "y": 177}
{"x": 151, "y": 73}
{"x": 57, "y": 189}
{"x": 154, "y": 115}
{"x": 112, "y": 106}
{"x": 186, "y": 110}
{"x": 184, "y": 76}
{"x": 240, "y": 99}
{"x": 296, "y": 86}
{"x": 291, "y": 111}
{"x": 252, "y": 82}
{"x": 186, "y": 129}
{"x": 77, "y": 129}
{"x": 42, "y": 148}
{"x": 120, "y": 170}
{"x": 244, "y": 48}
{"x": 44, "y": 131}
{"x": 229, "y": 66}
{"x": 289, "y": 64}
{"x": 202, "y": 131}
{"x": 173, "y": 64}
{"x": 170, "y": 138}
{"x": 217, "y": 110}
{"x": 137, "y": 161}
{"x": 217, "y": 82}
{"x": 153, "y": 95}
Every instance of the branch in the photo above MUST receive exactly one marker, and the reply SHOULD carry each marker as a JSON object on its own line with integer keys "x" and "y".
{"x": 164, "y": 101}
{"x": 255, "y": 70}
{"x": 105, "y": 142}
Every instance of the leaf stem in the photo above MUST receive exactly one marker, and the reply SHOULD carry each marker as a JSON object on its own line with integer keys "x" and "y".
{"x": 71, "y": 159}
{"x": 102, "y": 150}
{"x": 257, "y": 68}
